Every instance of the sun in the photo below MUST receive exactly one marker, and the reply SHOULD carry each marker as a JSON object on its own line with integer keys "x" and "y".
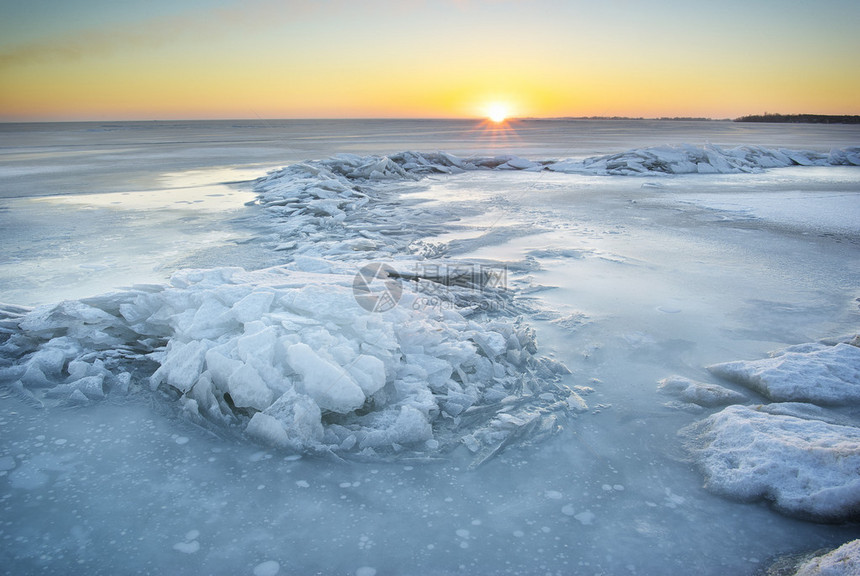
{"x": 497, "y": 112}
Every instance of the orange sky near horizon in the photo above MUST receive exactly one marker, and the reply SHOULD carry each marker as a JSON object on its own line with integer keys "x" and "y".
{"x": 95, "y": 60}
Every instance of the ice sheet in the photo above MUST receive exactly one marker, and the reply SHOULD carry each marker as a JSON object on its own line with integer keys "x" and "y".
{"x": 699, "y": 393}
{"x": 622, "y": 289}
{"x": 825, "y": 212}
{"x": 238, "y": 345}
{"x": 73, "y": 246}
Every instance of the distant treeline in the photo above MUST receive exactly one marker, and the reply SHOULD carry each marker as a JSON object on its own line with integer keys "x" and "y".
{"x": 800, "y": 118}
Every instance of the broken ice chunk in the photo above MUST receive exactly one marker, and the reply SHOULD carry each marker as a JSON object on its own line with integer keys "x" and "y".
{"x": 252, "y": 306}
{"x": 268, "y": 430}
{"x": 248, "y": 390}
{"x": 330, "y": 386}
{"x": 368, "y": 372}
{"x": 220, "y": 368}
{"x": 181, "y": 366}
{"x": 300, "y": 418}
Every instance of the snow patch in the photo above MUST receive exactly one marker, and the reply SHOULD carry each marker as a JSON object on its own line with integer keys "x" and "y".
{"x": 699, "y": 393}
{"x": 187, "y": 547}
{"x": 267, "y": 568}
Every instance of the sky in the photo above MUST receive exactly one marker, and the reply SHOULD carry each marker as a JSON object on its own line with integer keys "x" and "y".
{"x": 188, "y": 59}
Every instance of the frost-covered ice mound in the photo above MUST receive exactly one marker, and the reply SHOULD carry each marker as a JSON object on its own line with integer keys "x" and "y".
{"x": 294, "y": 360}
{"x": 806, "y": 467}
{"x": 814, "y": 373}
{"x": 841, "y": 561}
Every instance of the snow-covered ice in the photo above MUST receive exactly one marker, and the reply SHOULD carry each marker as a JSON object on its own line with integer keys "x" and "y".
{"x": 844, "y": 561}
{"x": 814, "y": 373}
{"x": 806, "y": 467}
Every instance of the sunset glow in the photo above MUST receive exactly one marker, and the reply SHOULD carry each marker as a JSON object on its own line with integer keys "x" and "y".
{"x": 498, "y": 112}
{"x": 96, "y": 59}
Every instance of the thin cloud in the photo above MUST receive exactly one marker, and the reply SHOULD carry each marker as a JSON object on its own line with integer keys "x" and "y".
{"x": 156, "y": 32}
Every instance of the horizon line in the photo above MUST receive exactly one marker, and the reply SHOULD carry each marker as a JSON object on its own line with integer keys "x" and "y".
{"x": 367, "y": 118}
{"x": 427, "y": 118}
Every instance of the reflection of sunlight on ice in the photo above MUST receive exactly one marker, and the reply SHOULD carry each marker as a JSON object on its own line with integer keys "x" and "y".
{"x": 822, "y": 212}
{"x": 198, "y": 190}
{"x": 213, "y": 198}
{"x": 137, "y": 236}
{"x": 211, "y": 176}
{"x": 474, "y": 227}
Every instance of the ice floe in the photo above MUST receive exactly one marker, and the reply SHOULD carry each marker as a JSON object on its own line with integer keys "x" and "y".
{"x": 806, "y": 467}
{"x": 815, "y": 373}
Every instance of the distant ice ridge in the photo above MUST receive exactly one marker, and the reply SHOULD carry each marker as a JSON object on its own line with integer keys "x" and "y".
{"x": 709, "y": 159}
{"x": 331, "y": 173}
{"x": 801, "y": 452}
{"x": 349, "y": 207}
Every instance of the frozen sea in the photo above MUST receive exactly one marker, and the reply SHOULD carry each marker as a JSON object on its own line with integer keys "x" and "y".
{"x": 199, "y": 373}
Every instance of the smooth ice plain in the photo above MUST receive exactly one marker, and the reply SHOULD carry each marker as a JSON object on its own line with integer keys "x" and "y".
{"x": 661, "y": 285}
